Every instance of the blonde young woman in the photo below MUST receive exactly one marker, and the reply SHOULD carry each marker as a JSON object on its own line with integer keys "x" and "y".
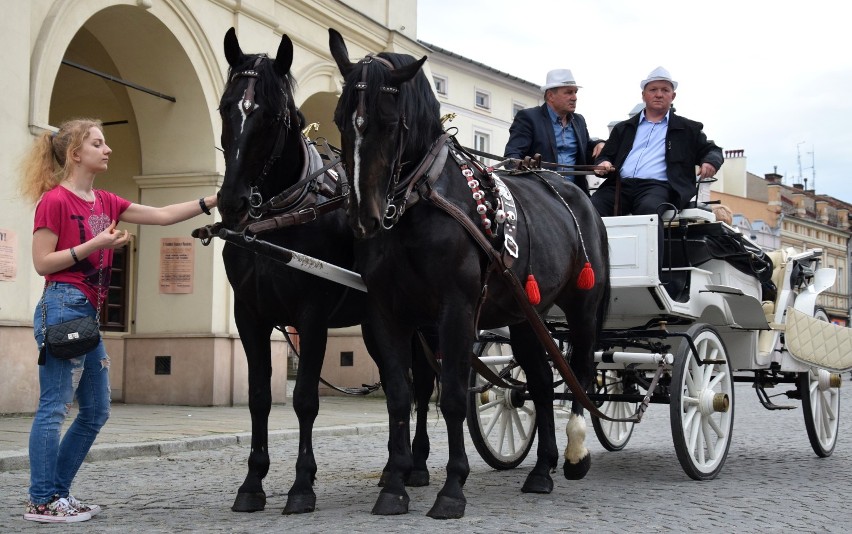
{"x": 73, "y": 241}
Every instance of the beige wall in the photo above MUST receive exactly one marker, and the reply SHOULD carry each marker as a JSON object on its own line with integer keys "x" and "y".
{"x": 163, "y": 152}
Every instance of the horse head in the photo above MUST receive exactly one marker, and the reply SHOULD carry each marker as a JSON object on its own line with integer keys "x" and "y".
{"x": 260, "y": 126}
{"x": 387, "y": 116}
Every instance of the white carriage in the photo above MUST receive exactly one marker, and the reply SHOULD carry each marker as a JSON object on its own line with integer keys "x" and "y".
{"x": 698, "y": 332}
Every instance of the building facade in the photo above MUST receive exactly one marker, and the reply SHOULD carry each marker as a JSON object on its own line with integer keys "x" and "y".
{"x": 153, "y": 72}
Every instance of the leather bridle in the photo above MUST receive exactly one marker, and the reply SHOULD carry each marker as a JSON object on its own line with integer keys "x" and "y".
{"x": 282, "y": 118}
{"x": 392, "y": 213}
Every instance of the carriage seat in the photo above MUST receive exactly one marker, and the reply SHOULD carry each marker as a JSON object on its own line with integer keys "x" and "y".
{"x": 779, "y": 261}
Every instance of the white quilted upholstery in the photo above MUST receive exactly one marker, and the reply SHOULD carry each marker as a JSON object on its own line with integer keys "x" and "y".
{"x": 819, "y": 343}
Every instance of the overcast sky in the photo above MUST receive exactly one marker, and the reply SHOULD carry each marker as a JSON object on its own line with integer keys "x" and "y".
{"x": 771, "y": 78}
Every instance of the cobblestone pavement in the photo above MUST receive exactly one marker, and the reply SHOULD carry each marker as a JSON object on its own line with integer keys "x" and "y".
{"x": 772, "y": 482}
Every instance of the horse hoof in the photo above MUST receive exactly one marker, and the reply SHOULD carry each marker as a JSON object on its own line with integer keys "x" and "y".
{"x": 249, "y": 502}
{"x": 417, "y": 479}
{"x": 536, "y": 483}
{"x": 578, "y": 470}
{"x": 389, "y": 504}
{"x": 447, "y": 508}
{"x": 300, "y": 504}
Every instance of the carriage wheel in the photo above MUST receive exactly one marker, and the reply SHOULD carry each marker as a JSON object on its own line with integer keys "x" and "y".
{"x": 702, "y": 404}
{"x": 820, "y": 405}
{"x": 501, "y": 421}
{"x": 613, "y": 435}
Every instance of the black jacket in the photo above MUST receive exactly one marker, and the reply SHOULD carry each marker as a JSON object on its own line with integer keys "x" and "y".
{"x": 686, "y": 147}
{"x": 531, "y": 133}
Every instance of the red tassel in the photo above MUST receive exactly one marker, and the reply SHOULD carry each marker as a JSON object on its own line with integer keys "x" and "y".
{"x": 586, "y": 280}
{"x": 532, "y": 290}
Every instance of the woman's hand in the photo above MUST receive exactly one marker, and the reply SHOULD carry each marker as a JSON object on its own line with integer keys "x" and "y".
{"x": 109, "y": 238}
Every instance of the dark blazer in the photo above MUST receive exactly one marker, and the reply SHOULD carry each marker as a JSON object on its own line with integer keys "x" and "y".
{"x": 686, "y": 147}
{"x": 531, "y": 133}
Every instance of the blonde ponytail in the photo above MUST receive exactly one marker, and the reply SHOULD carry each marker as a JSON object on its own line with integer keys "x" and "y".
{"x": 49, "y": 160}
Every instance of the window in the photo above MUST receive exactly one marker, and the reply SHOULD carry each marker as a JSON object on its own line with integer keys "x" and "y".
{"x": 440, "y": 85}
{"x": 114, "y": 310}
{"x": 516, "y": 107}
{"x": 483, "y": 99}
{"x": 482, "y": 143}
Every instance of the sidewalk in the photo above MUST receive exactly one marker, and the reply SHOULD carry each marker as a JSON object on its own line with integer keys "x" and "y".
{"x": 146, "y": 430}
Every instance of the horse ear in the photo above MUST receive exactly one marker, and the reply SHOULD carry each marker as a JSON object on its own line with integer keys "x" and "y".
{"x": 339, "y": 51}
{"x": 232, "y": 48}
{"x": 284, "y": 57}
{"x": 406, "y": 72}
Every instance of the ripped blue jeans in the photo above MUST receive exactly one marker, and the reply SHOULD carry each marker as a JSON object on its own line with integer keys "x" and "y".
{"x": 55, "y": 462}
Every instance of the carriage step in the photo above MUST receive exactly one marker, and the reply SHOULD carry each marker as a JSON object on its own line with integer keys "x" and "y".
{"x": 767, "y": 403}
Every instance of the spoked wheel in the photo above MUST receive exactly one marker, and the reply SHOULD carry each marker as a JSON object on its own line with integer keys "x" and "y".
{"x": 702, "y": 404}
{"x": 501, "y": 420}
{"x": 613, "y": 435}
{"x": 820, "y": 393}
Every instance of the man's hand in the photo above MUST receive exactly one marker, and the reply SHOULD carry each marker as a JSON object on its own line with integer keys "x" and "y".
{"x": 706, "y": 170}
{"x": 597, "y": 150}
{"x": 606, "y": 168}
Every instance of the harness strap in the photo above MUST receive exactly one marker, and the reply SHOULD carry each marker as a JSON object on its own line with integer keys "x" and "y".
{"x": 533, "y": 317}
{"x": 293, "y": 219}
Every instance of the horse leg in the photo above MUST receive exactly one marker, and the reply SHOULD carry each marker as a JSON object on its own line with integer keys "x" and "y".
{"x": 255, "y": 340}
{"x": 392, "y": 353}
{"x": 529, "y": 352}
{"x": 578, "y": 461}
{"x": 313, "y": 336}
{"x": 424, "y": 385}
{"x": 455, "y": 339}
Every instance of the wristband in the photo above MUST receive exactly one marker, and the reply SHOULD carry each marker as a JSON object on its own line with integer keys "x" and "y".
{"x": 203, "y": 205}
{"x": 74, "y": 255}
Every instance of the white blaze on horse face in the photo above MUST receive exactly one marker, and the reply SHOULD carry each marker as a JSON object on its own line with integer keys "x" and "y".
{"x": 356, "y": 179}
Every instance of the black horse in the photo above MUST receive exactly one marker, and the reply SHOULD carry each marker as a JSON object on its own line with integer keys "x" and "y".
{"x": 422, "y": 263}
{"x": 265, "y": 155}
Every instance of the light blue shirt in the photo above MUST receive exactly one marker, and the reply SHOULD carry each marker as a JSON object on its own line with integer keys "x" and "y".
{"x": 566, "y": 141}
{"x": 647, "y": 158}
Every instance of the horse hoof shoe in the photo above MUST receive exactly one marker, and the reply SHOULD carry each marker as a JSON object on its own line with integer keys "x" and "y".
{"x": 249, "y": 502}
{"x": 417, "y": 479}
{"x": 389, "y": 504}
{"x": 578, "y": 470}
{"x": 300, "y": 504}
{"x": 538, "y": 484}
{"x": 447, "y": 508}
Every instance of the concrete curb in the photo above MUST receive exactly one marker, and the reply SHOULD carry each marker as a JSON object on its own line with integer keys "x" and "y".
{"x": 18, "y": 460}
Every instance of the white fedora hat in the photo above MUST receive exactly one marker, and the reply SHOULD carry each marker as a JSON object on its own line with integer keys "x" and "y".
{"x": 559, "y": 78}
{"x": 658, "y": 74}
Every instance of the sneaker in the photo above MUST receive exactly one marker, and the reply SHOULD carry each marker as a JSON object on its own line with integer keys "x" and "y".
{"x": 56, "y": 511}
{"x": 91, "y": 509}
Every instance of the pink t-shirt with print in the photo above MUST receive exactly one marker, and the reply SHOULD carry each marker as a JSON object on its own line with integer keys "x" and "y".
{"x": 76, "y": 221}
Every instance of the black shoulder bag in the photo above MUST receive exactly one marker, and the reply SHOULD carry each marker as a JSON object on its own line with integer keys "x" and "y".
{"x": 75, "y": 337}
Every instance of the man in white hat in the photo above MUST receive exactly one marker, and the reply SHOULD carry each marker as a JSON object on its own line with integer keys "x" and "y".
{"x": 655, "y": 153}
{"x": 553, "y": 129}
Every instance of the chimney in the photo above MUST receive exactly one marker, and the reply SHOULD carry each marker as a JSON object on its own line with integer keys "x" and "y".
{"x": 773, "y": 177}
{"x": 734, "y": 154}
{"x": 800, "y": 187}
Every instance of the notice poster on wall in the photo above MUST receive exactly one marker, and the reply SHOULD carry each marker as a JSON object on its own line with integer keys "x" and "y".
{"x": 177, "y": 265}
{"x": 8, "y": 255}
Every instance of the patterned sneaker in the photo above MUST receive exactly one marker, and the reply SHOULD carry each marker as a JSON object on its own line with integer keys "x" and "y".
{"x": 91, "y": 509}
{"x": 56, "y": 511}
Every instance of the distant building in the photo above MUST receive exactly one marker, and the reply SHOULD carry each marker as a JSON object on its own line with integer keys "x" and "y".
{"x": 780, "y": 216}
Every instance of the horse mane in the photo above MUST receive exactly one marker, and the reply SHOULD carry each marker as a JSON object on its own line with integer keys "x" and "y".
{"x": 271, "y": 88}
{"x": 417, "y": 101}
